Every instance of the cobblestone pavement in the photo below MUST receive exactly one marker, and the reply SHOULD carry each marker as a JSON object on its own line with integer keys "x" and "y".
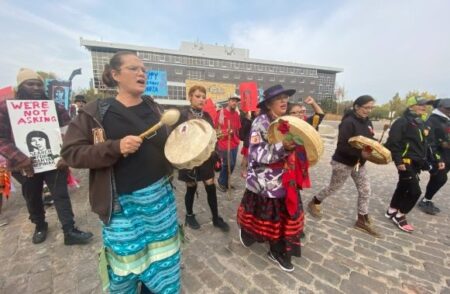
{"x": 336, "y": 257}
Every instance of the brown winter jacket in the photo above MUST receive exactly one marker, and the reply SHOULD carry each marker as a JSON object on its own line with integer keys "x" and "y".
{"x": 79, "y": 151}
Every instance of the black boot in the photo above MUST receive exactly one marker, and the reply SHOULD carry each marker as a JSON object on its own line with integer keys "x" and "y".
{"x": 192, "y": 222}
{"x": 221, "y": 224}
{"x": 40, "y": 233}
{"x": 77, "y": 237}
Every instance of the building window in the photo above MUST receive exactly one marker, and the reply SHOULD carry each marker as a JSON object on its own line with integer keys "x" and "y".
{"x": 260, "y": 78}
{"x": 250, "y": 77}
{"x": 237, "y": 76}
{"x": 226, "y": 76}
{"x": 178, "y": 71}
{"x": 272, "y": 79}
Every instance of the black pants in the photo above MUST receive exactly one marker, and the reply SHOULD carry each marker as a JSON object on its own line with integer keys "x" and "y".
{"x": 408, "y": 190}
{"x": 56, "y": 181}
{"x": 437, "y": 180}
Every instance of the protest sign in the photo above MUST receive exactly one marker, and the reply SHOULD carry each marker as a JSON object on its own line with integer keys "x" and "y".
{"x": 156, "y": 83}
{"x": 36, "y": 131}
{"x": 249, "y": 96}
{"x": 59, "y": 91}
{"x": 216, "y": 91}
{"x": 210, "y": 108}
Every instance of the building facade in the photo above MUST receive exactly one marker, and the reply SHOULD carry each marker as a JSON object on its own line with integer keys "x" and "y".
{"x": 219, "y": 64}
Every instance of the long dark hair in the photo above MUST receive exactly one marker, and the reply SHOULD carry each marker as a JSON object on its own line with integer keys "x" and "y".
{"x": 360, "y": 101}
{"x": 114, "y": 64}
{"x": 38, "y": 134}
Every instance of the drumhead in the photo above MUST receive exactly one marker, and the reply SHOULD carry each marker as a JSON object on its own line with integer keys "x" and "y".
{"x": 312, "y": 141}
{"x": 379, "y": 154}
{"x": 190, "y": 144}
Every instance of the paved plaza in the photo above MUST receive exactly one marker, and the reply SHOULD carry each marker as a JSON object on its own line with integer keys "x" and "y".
{"x": 336, "y": 258}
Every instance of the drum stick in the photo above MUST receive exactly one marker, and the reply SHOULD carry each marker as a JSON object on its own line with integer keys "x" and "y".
{"x": 170, "y": 117}
{"x": 151, "y": 130}
{"x": 229, "y": 159}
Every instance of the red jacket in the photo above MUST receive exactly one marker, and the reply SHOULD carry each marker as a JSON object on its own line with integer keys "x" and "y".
{"x": 221, "y": 123}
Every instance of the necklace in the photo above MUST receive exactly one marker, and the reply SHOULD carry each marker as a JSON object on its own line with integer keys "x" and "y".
{"x": 197, "y": 113}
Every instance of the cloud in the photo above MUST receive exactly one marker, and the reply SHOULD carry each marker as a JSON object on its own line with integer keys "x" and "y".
{"x": 384, "y": 47}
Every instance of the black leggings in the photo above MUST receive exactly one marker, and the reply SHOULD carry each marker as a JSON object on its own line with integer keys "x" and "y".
{"x": 437, "y": 180}
{"x": 56, "y": 181}
{"x": 211, "y": 196}
{"x": 408, "y": 190}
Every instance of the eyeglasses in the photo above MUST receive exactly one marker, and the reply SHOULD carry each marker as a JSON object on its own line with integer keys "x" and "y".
{"x": 136, "y": 69}
{"x": 367, "y": 107}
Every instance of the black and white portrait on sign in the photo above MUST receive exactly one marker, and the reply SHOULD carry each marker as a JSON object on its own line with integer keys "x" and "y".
{"x": 40, "y": 149}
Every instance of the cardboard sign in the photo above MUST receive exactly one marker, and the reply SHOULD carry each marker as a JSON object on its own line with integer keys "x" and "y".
{"x": 156, "y": 83}
{"x": 36, "y": 131}
{"x": 216, "y": 91}
{"x": 59, "y": 91}
{"x": 249, "y": 96}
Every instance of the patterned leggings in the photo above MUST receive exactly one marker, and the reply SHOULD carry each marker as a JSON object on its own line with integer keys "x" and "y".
{"x": 340, "y": 174}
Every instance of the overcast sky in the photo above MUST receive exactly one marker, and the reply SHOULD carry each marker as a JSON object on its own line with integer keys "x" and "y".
{"x": 384, "y": 47}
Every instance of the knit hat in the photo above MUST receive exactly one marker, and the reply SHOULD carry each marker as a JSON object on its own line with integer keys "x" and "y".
{"x": 27, "y": 74}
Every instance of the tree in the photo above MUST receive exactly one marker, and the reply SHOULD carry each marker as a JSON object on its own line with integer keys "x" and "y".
{"x": 397, "y": 104}
{"x": 381, "y": 111}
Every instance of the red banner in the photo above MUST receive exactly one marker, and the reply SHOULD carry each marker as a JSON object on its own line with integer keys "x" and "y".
{"x": 249, "y": 96}
{"x": 6, "y": 93}
{"x": 210, "y": 108}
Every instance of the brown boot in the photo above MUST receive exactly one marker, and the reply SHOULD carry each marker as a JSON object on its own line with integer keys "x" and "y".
{"x": 314, "y": 209}
{"x": 364, "y": 223}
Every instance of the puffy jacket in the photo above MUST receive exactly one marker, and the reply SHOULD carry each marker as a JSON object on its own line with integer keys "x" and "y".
{"x": 439, "y": 135}
{"x": 407, "y": 140}
{"x": 350, "y": 126}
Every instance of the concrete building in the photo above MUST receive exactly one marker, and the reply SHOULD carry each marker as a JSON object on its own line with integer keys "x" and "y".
{"x": 217, "y": 64}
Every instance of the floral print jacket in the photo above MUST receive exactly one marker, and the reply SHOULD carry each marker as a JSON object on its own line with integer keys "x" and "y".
{"x": 265, "y": 168}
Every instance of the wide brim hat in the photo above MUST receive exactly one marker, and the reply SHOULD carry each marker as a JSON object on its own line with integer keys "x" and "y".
{"x": 273, "y": 92}
{"x": 311, "y": 139}
{"x": 80, "y": 98}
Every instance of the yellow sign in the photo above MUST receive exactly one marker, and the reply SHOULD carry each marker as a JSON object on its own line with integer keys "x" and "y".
{"x": 215, "y": 91}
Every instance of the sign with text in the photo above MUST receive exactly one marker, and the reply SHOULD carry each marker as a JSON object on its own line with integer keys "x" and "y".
{"x": 216, "y": 91}
{"x": 156, "y": 83}
{"x": 36, "y": 131}
{"x": 59, "y": 91}
{"x": 249, "y": 96}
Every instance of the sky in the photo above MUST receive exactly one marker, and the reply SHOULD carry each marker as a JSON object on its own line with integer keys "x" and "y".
{"x": 384, "y": 47}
